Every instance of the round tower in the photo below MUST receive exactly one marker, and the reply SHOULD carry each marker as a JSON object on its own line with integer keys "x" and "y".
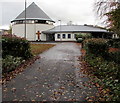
{"x": 36, "y": 22}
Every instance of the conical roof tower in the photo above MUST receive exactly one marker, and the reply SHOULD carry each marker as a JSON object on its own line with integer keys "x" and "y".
{"x": 33, "y": 12}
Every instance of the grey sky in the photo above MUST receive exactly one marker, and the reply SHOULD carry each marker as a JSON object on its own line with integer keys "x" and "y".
{"x": 77, "y": 11}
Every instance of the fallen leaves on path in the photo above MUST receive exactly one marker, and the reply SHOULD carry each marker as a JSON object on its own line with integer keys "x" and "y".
{"x": 8, "y": 76}
{"x": 86, "y": 69}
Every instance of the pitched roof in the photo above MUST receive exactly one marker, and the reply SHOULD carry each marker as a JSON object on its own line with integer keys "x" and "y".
{"x": 33, "y": 12}
{"x": 74, "y": 28}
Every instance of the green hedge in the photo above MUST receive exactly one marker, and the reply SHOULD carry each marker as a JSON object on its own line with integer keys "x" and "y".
{"x": 16, "y": 47}
{"x": 104, "y": 65}
{"x": 115, "y": 43}
{"x": 108, "y": 74}
{"x": 115, "y": 56}
{"x": 98, "y": 47}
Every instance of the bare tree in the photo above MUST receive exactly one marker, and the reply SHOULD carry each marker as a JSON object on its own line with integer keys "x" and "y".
{"x": 110, "y": 11}
{"x": 105, "y": 6}
{"x": 10, "y": 29}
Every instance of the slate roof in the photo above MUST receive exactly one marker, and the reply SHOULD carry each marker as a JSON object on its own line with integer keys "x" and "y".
{"x": 33, "y": 12}
{"x": 74, "y": 28}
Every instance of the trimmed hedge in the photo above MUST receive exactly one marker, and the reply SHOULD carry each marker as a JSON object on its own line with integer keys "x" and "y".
{"x": 16, "y": 47}
{"x": 104, "y": 65}
{"x": 98, "y": 47}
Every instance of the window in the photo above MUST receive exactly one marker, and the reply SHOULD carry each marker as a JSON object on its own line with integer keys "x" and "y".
{"x": 58, "y": 36}
{"x": 63, "y": 35}
{"x": 75, "y": 35}
{"x": 33, "y": 21}
{"x": 40, "y": 21}
{"x": 69, "y": 35}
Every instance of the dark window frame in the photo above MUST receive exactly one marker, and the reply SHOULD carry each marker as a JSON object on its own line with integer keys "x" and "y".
{"x": 69, "y": 36}
{"x": 58, "y": 36}
{"x": 63, "y": 36}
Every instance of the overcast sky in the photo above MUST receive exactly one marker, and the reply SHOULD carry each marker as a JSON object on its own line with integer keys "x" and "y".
{"x": 78, "y": 11}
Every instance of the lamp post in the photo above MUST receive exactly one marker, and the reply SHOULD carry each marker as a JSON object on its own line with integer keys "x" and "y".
{"x": 60, "y": 30}
{"x": 25, "y": 19}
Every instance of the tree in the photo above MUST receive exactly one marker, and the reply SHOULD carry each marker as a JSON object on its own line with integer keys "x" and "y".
{"x": 10, "y": 29}
{"x": 109, "y": 9}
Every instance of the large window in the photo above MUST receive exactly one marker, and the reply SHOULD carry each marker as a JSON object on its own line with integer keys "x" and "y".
{"x": 64, "y": 36}
{"x": 58, "y": 36}
{"x": 75, "y": 35}
{"x": 69, "y": 35}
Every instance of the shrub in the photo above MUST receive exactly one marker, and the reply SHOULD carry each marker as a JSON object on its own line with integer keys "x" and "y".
{"x": 16, "y": 47}
{"x": 115, "y": 56}
{"x": 83, "y": 35}
{"x": 115, "y": 43}
{"x": 98, "y": 47}
{"x": 108, "y": 73}
{"x": 79, "y": 40}
{"x": 10, "y": 63}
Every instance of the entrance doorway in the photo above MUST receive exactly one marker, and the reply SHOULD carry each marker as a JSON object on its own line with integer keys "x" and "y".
{"x": 50, "y": 37}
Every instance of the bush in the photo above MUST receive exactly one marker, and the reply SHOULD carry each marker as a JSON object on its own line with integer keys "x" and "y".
{"x": 16, "y": 47}
{"x": 83, "y": 36}
{"x": 115, "y": 56}
{"x": 108, "y": 73}
{"x": 79, "y": 40}
{"x": 115, "y": 43}
{"x": 10, "y": 63}
{"x": 98, "y": 47}
{"x": 107, "y": 70}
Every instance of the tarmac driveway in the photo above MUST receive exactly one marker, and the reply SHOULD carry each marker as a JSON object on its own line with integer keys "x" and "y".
{"x": 55, "y": 76}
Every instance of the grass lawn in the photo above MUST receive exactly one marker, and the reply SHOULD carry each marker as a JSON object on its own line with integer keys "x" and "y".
{"x": 39, "y": 48}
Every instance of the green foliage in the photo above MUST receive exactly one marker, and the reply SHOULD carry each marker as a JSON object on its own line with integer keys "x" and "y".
{"x": 10, "y": 63}
{"x": 115, "y": 43}
{"x": 110, "y": 9}
{"x": 83, "y": 35}
{"x": 98, "y": 47}
{"x": 10, "y": 29}
{"x": 108, "y": 73}
{"x": 104, "y": 65}
{"x": 115, "y": 56}
{"x": 114, "y": 19}
{"x": 16, "y": 47}
{"x": 79, "y": 40}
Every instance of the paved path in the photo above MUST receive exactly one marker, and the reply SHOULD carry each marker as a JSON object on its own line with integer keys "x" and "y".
{"x": 56, "y": 76}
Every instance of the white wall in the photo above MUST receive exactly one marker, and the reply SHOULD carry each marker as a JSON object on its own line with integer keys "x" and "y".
{"x": 43, "y": 27}
{"x": 66, "y": 38}
{"x": 115, "y": 36}
{"x": 32, "y": 29}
